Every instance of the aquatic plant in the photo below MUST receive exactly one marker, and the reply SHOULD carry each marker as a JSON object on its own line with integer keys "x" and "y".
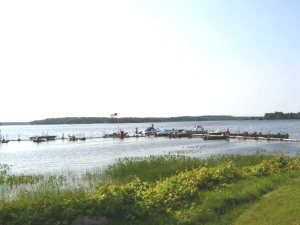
{"x": 219, "y": 187}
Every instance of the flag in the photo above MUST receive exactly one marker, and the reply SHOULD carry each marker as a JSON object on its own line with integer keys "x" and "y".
{"x": 114, "y": 115}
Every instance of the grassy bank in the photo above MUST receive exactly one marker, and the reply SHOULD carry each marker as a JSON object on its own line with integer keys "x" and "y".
{"x": 156, "y": 190}
{"x": 278, "y": 207}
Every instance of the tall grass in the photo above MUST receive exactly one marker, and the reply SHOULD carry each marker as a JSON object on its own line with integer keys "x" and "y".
{"x": 155, "y": 167}
{"x": 148, "y": 169}
{"x": 169, "y": 189}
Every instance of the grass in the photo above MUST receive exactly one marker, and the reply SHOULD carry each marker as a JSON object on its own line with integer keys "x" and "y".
{"x": 171, "y": 189}
{"x": 155, "y": 167}
{"x": 279, "y": 207}
{"x": 223, "y": 205}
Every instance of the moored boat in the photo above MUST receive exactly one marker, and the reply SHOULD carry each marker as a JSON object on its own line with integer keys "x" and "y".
{"x": 73, "y": 137}
{"x": 46, "y": 137}
{"x": 216, "y": 135}
{"x": 39, "y": 139}
{"x": 4, "y": 141}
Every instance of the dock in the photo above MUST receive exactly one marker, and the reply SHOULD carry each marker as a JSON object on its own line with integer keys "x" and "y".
{"x": 265, "y": 138}
{"x": 179, "y": 133}
{"x": 261, "y": 136}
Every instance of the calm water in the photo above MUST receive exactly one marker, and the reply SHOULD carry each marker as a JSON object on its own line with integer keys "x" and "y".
{"x": 95, "y": 152}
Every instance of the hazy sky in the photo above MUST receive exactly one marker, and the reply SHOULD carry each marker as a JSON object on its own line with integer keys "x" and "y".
{"x": 145, "y": 58}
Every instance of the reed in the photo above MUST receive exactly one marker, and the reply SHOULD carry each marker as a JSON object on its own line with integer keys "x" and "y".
{"x": 148, "y": 169}
{"x": 156, "y": 167}
{"x": 171, "y": 189}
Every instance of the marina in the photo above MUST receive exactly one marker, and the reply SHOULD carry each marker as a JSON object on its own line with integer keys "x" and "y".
{"x": 196, "y": 132}
{"x": 96, "y": 151}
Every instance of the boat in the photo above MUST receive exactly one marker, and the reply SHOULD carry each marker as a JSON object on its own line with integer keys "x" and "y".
{"x": 216, "y": 135}
{"x": 47, "y": 137}
{"x": 164, "y": 132}
{"x": 39, "y": 139}
{"x": 72, "y": 137}
{"x": 149, "y": 131}
{"x": 4, "y": 141}
{"x": 198, "y": 131}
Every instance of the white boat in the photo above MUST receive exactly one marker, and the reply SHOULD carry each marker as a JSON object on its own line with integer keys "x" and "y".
{"x": 39, "y": 139}
{"x": 72, "y": 137}
{"x": 47, "y": 137}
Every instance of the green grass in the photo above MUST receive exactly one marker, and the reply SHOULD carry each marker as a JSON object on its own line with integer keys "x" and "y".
{"x": 166, "y": 190}
{"x": 155, "y": 167}
{"x": 222, "y": 205}
{"x": 279, "y": 207}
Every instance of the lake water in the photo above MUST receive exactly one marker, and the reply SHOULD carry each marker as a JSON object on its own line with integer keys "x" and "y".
{"x": 96, "y": 152}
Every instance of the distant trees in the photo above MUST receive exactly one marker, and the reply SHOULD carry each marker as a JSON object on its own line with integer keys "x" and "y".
{"x": 13, "y": 123}
{"x": 69, "y": 120}
{"x": 91, "y": 120}
{"x": 281, "y": 116}
{"x": 94, "y": 120}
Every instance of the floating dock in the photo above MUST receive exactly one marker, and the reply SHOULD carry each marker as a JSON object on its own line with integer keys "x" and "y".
{"x": 265, "y": 138}
{"x": 180, "y": 133}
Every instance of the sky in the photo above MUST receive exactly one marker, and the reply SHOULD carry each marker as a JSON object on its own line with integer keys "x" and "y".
{"x": 150, "y": 58}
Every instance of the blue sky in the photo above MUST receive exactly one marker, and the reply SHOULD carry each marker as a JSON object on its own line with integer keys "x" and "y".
{"x": 148, "y": 58}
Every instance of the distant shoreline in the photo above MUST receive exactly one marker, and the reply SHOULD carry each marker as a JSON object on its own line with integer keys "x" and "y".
{"x": 95, "y": 120}
{"x": 14, "y": 123}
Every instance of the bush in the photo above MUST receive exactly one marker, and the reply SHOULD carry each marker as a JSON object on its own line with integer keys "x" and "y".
{"x": 276, "y": 164}
{"x": 137, "y": 200}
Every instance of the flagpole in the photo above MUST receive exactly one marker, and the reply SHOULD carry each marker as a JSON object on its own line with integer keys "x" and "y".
{"x": 121, "y": 133}
{"x": 113, "y": 116}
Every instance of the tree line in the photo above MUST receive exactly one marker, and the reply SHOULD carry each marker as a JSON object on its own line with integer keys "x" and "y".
{"x": 91, "y": 120}
{"x": 281, "y": 116}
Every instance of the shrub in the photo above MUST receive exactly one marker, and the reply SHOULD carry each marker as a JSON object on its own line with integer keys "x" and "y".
{"x": 276, "y": 164}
